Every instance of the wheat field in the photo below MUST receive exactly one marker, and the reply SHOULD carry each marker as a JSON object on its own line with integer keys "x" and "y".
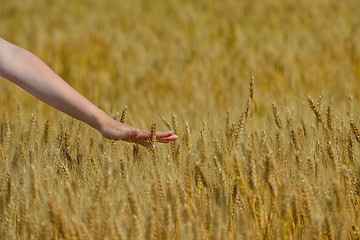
{"x": 264, "y": 96}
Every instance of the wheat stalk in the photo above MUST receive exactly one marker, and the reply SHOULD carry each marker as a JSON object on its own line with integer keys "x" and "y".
{"x": 277, "y": 116}
{"x": 355, "y": 130}
{"x": 123, "y": 115}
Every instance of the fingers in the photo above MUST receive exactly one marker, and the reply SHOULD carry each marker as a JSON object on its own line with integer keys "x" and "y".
{"x": 159, "y": 135}
{"x": 163, "y": 141}
{"x": 164, "y": 134}
{"x": 172, "y": 138}
{"x": 142, "y": 137}
{"x": 145, "y": 141}
{"x": 168, "y": 139}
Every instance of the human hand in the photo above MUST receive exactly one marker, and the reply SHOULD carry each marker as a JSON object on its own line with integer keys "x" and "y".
{"x": 115, "y": 130}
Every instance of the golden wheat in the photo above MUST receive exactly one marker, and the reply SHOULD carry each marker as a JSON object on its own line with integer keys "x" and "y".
{"x": 235, "y": 173}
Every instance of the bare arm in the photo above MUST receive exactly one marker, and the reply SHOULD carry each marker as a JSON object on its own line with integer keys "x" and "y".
{"x": 30, "y": 73}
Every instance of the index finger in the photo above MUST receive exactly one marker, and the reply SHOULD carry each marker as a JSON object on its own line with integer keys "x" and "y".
{"x": 164, "y": 134}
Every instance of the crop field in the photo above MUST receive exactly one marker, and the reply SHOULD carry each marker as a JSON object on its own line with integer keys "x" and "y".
{"x": 264, "y": 96}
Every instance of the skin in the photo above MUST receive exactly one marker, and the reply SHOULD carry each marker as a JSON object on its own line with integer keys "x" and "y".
{"x": 30, "y": 73}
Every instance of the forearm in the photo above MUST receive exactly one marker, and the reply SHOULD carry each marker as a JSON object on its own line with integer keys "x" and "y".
{"x": 30, "y": 73}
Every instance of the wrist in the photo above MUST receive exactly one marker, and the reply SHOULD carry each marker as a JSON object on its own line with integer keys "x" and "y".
{"x": 101, "y": 120}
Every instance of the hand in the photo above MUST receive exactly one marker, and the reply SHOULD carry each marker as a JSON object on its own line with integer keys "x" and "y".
{"x": 115, "y": 130}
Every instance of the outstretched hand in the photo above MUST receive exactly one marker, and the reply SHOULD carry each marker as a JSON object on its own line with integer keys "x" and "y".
{"x": 115, "y": 130}
{"x": 29, "y": 72}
